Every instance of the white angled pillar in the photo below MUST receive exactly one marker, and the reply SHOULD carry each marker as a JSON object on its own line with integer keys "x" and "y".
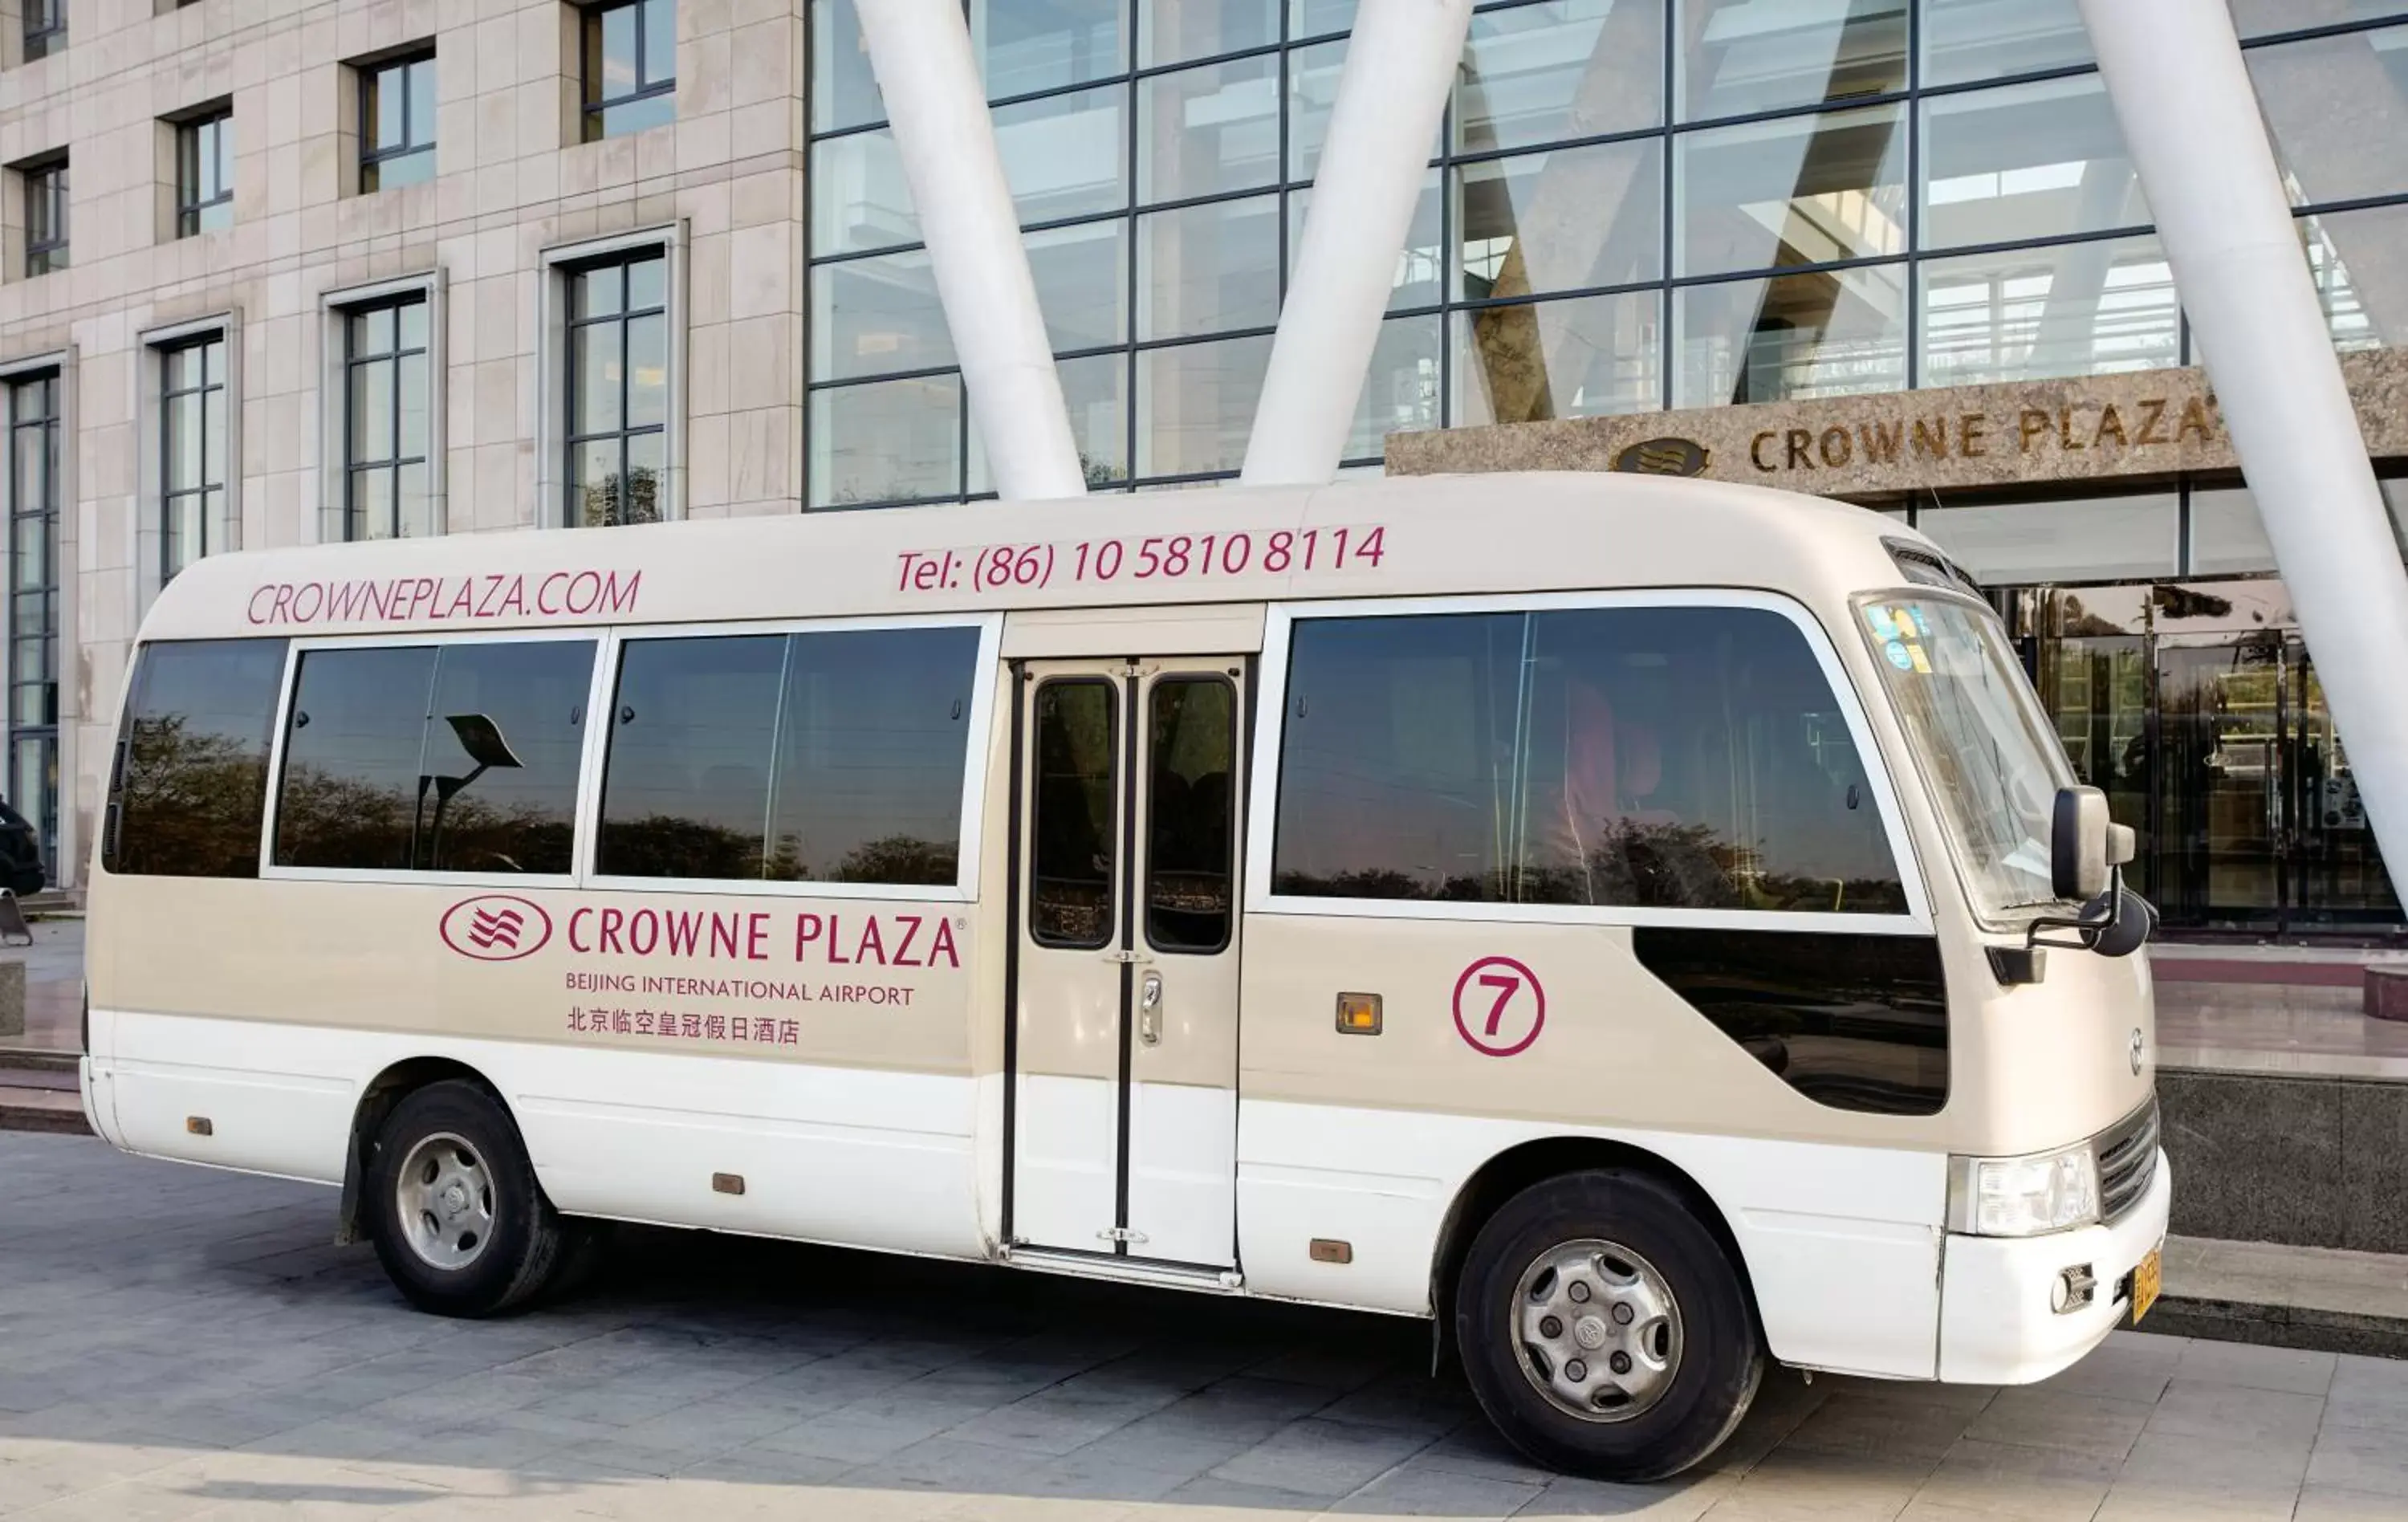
{"x": 921, "y": 53}
{"x": 1401, "y": 64}
{"x": 2190, "y": 121}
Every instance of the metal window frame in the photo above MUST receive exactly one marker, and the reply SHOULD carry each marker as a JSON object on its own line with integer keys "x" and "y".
{"x": 620, "y": 262}
{"x": 170, "y": 495}
{"x": 372, "y": 157}
{"x": 46, "y": 186}
{"x": 191, "y": 206}
{"x": 42, "y": 735}
{"x": 45, "y": 29}
{"x": 1670, "y": 127}
{"x": 595, "y": 105}
{"x": 415, "y": 294}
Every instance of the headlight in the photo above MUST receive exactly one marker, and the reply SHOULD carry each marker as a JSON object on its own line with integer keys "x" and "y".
{"x": 2024, "y": 1196}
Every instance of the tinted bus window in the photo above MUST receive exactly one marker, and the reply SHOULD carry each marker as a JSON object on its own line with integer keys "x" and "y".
{"x": 456, "y": 757}
{"x": 190, "y": 784}
{"x": 686, "y": 793}
{"x": 1683, "y": 758}
{"x": 1073, "y": 829}
{"x": 1192, "y": 746}
{"x": 833, "y": 758}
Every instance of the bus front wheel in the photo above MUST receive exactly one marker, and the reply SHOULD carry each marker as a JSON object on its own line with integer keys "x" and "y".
{"x": 1604, "y": 1329}
{"x": 460, "y": 1223}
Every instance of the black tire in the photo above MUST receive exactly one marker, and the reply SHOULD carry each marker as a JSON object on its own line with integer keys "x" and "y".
{"x": 515, "y": 1257}
{"x": 1703, "y": 1392}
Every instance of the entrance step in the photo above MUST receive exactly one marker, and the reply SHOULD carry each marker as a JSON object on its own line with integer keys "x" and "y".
{"x": 38, "y": 1091}
{"x": 2321, "y": 1299}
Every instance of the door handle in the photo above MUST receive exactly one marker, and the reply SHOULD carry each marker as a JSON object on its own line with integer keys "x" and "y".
{"x": 1148, "y": 1010}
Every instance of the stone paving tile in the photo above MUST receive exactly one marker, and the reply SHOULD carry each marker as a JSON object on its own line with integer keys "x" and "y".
{"x": 2328, "y": 1503}
{"x": 2128, "y": 1366}
{"x": 1996, "y": 1480}
{"x": 2099, "y": 1426}
{"x": 1318, "y": 1457}
{"x": 2369, "y": 1392}
{"x": 177, "y": 1345}
{"x": 1409, "y": 1491}
{"x": 2295, "y": 1369}
{"x": 2362, "y": 1459}
{"x": 1838, "y": 1487}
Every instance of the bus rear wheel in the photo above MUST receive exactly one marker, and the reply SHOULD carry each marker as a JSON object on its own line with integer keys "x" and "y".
{"x": 460, "y": 1224}
{"x": 1604, "y": 1329}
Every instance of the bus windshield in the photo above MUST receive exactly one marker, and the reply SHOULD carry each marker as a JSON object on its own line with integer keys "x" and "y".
{"x": 1994, "y": 768}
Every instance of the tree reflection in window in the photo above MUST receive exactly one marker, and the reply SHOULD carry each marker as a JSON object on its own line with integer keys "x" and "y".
{"x": 1688, "y": 758}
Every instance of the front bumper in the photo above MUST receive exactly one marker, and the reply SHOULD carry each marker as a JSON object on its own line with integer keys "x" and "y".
{"x": 1997, "y": 1325}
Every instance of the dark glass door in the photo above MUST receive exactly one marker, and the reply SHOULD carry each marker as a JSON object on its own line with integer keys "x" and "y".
{"x": 2337, "y": 877}
{"x": 2098, "y": 688}
{"x": 2221, "y": 721}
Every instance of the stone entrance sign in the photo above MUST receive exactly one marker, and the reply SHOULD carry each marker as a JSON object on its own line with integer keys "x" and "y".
{"x": 2122, "y": 427}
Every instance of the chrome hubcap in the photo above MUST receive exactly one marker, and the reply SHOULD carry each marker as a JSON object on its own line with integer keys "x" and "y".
{"x": 445, "y": 1199}
{"x": 1599, "y": 1329}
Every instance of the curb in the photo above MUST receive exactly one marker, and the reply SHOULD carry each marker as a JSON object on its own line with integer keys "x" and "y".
{"x": 26, "y": 1117}
{"x": 2302, "y": 1327}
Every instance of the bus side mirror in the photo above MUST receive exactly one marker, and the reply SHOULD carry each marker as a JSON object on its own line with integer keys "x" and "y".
{"x": 2083, "y": 845}
{"x": 2133, "y": 922}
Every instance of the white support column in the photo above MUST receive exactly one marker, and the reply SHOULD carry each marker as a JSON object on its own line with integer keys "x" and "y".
{"x": 921, "y": 53}
{"x": 2190, "y": 120}
{"x": 1401, "y": 64}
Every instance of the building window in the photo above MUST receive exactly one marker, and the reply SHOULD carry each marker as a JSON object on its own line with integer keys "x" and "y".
{"x": 630, "y": 52}
{"x": 396, "y": 124}
{"x": 46, "y": 217}
{"x": 46, "y": 28}
{"x": 33, "y": 493}
{"x": 205, "y": 173}
{"x": 193, "y": 449}
{"x": 618, "y": 389}
{"x": 386, "y": 399}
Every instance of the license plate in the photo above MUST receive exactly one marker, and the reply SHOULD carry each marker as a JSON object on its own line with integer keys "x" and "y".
{"x": 2146, "y": 1280}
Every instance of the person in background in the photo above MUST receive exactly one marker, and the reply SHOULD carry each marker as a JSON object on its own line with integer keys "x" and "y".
{"x": 20, "y": 853}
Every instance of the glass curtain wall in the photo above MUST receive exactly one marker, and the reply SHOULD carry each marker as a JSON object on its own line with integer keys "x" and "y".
{"x": 1633, "y": 205}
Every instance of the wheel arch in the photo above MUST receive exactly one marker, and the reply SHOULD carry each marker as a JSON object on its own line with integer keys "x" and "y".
{"x": 1526, "y": 1163}
{"x": 388, "y": 1088}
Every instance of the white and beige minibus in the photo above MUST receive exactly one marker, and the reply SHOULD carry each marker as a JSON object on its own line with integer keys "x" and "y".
{"x": 1646, "y": 928}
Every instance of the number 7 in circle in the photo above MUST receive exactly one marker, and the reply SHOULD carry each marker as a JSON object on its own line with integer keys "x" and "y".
{"x": 1507, "y": 986}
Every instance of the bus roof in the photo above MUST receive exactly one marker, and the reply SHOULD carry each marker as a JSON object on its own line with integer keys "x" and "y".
{"x": 1423, "y": 536}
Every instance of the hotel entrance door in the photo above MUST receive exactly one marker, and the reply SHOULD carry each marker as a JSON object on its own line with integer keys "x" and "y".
{"x": 2197, "y": 709}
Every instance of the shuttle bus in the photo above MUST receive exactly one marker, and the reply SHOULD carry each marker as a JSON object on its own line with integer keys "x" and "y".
{"x": 1646, "y": 928}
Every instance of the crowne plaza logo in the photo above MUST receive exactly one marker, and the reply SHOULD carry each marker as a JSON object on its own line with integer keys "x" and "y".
{"x": 496, "y": 927}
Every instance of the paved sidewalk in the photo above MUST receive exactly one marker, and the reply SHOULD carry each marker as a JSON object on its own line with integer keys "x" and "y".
{"x": 54, "y": 985}
{"x": 180, "y": 1343}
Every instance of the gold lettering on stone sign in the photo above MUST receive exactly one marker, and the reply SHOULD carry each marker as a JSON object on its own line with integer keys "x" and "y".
{"x": 2153, "y": 412}
{"x": 2062, "y": 428}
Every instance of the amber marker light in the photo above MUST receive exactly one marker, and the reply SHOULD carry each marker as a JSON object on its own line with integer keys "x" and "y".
{"x": 1358, "y": 1014}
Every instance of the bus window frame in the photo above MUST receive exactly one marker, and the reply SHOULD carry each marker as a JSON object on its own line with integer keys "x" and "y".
{"x": 977, "y": 761}
{"x": 595, "y": 635}
{"x": 1271, "y": 734}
